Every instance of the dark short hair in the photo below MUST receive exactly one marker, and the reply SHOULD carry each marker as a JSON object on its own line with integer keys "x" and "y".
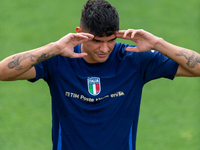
{"x": 100, "y": 18}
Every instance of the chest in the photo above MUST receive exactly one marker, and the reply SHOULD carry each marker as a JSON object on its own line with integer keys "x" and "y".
{"x": 113, "y": 78}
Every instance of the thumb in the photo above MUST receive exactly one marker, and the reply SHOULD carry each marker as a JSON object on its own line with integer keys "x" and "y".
{"x": 133, "y": 49}
{"x": 78, "y": 55}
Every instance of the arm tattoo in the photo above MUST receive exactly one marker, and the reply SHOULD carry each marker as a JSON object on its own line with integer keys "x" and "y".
{"x": 192, "y": 59}
{"x": 16, "y": 63}
{"x": 43, "y": 57}
{"x": 18, "y": 59}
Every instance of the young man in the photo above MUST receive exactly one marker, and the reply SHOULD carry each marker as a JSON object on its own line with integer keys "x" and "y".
{"x": 96, "y": 83}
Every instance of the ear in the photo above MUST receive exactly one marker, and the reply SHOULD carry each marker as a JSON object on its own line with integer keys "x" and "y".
{"x": 78, "y": 30}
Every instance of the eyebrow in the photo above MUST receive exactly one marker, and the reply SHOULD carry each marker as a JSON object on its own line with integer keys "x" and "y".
{"x": 103, "y": 41}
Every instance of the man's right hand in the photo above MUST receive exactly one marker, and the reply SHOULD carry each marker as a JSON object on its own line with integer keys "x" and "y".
{"x": 67, "y": 43}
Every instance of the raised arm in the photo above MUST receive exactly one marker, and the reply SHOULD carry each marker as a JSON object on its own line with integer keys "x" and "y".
{"x": 21, "y": 65}
{"x": 188, "y": 60}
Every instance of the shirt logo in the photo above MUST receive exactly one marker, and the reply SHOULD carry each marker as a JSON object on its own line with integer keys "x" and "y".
{"x": 94, "y": 85}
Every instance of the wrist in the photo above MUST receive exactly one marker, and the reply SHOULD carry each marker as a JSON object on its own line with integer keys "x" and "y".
{"x": 56, "y": 50}
{"x": 159, "y": 44}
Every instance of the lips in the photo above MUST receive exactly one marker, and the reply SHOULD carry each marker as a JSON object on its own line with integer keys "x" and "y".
{"x": 102, "y": 55}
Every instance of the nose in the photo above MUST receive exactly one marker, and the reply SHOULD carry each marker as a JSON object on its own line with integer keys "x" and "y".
{"x": 104, "y": 47}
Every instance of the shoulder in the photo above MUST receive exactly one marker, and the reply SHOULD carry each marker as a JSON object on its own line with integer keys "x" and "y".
{"x": 140, "y": 59}
{"x": 51, "y": 63}
{"x": 56, "y": 60}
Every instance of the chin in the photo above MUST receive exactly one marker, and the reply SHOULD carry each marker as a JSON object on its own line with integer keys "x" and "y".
{"x": 102, "y": 60}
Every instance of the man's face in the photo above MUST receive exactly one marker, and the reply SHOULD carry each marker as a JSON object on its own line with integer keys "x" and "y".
{"x": 99, "y": 49}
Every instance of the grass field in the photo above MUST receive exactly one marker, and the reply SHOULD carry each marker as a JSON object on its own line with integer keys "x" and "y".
{"x": 170, "y": 114}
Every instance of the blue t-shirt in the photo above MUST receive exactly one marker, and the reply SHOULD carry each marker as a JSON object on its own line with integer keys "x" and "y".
{"x": 96, "y": 106}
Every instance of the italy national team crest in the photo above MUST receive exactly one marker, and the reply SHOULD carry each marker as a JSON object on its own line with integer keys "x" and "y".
{"x": 94, "y": 85}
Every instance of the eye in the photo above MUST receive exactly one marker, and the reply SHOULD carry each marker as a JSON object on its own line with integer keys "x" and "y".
{"x": 96, "y": 41}
{"x": 112, "y": 40}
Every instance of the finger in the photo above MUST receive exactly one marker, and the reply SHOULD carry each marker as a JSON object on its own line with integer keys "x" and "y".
{"x": 82, "y": 36}
{"x": 133, "y": 34}
{"x": 129, "y": 31}
{"x": 78, "y": 55}
{"x": 80, "y": 41}
{"x": 87, "y": 34}
{"x": 133, "y": 49}
{"x": 120, "y": 33}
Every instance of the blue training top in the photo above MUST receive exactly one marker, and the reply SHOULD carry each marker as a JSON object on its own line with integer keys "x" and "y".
{"x": 96, "y": 106}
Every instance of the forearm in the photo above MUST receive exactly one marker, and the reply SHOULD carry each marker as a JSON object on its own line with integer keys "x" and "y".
{"x": 18, "y": 64}
{"x": 186, "y": 58}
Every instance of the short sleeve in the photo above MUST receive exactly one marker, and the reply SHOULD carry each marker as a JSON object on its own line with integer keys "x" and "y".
{"x": 46, "y": 68}
{"x": 41, "y": 72}
{"x": 155, "y": 65}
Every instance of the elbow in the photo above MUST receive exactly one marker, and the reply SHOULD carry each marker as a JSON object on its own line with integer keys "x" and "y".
{"x": 2, "y": 75}
{"x": 3, "y": 78}
{"x": 5, "y": 75}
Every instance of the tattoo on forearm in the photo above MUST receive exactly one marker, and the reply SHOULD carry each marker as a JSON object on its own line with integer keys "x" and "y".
{"x": 18, "y": 59}
{"x": 16, "y": 63}
{"x": 42, "y": 58}
{"x": 192, "y": 59}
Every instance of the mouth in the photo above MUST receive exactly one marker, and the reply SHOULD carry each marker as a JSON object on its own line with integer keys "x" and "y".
{"x": 102, "y": 55}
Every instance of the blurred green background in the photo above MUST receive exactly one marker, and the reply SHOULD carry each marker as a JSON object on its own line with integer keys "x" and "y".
{"x": 170, "y": 110}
